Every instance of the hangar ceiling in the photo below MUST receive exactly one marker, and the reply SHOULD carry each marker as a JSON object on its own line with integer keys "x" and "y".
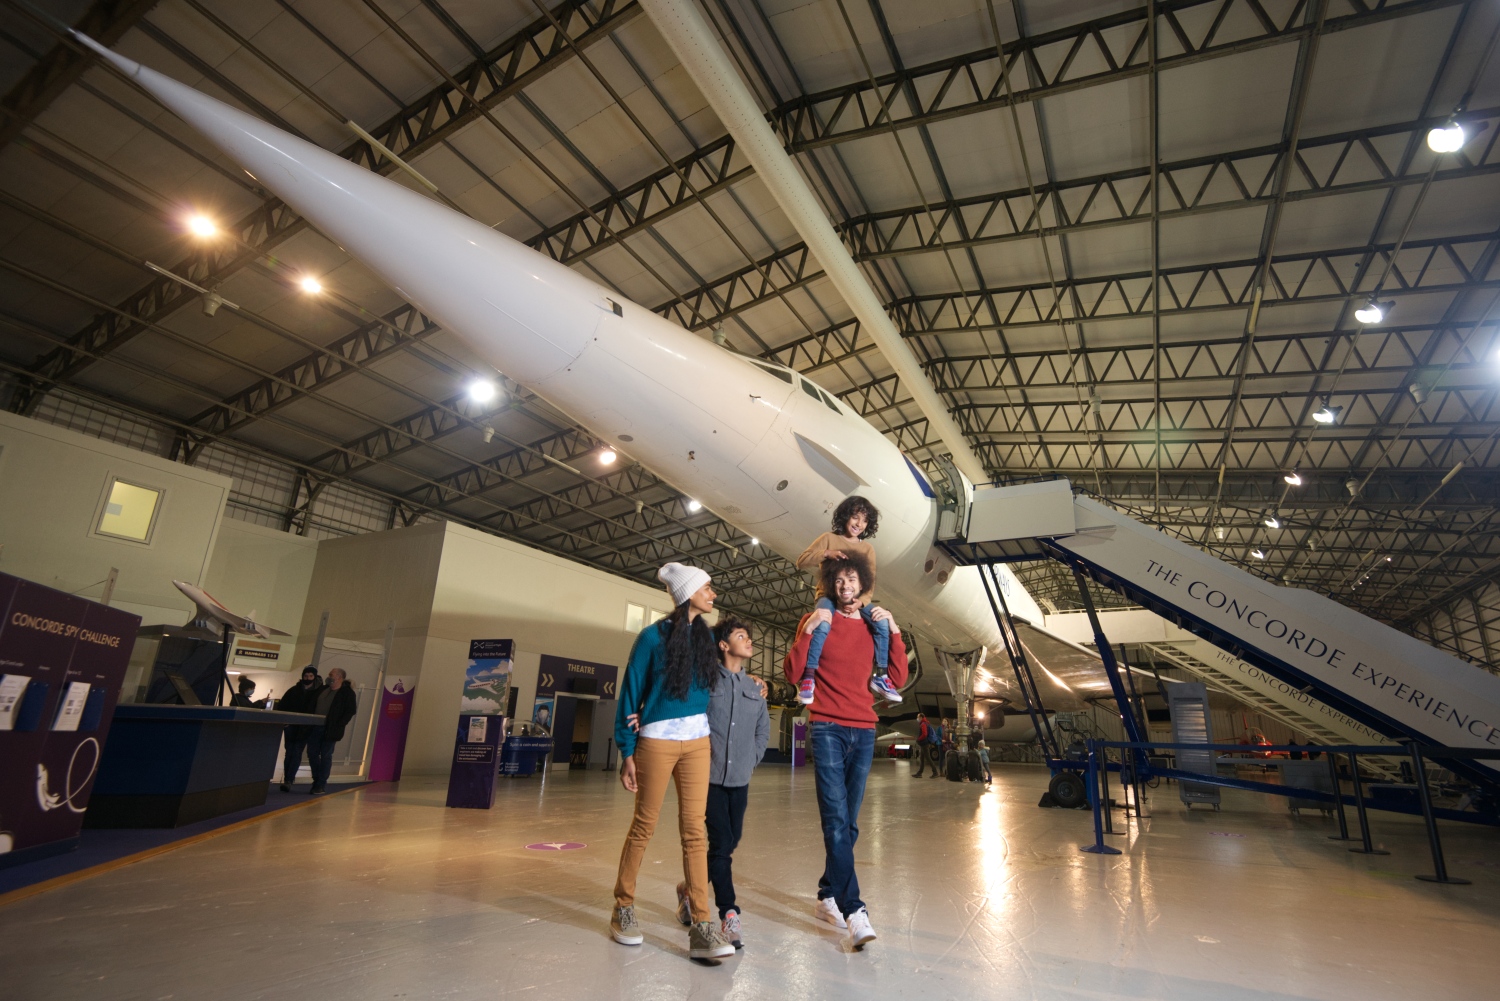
{"x": 1127, "y": 245}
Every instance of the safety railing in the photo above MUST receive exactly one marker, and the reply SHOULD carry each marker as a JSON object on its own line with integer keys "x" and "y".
{"x": 1097, "y": 767}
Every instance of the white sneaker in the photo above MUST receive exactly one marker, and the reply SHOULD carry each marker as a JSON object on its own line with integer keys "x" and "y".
{"x": 860, "y": 932}
{"x": 827, "y": 909}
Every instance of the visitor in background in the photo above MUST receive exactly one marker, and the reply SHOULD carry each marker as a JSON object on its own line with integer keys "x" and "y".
{"x": 300, "y": 698}
{"x": 672, "y": 671}
{"x": 244, "y": 697}
{"x": 337, "y": 704}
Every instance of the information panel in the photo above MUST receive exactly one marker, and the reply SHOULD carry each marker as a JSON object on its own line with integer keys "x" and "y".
{"x": 62, "y": 662}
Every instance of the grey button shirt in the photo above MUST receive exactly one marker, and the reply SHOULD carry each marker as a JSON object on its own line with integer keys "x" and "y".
{"x": 739, "y": 728}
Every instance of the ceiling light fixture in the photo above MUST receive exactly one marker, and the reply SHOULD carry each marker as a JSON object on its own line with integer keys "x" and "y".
{"x": 202, "y": 227}
{"x": 482, "y": 391}
{"x": 608, "y": 456}
{"x": 310, "y": 285}
{"x": 1272, "y": 523}
{"x": 1327, "y": 415}
{"x": 694, "y": 506}
{"x": 1257, "y": 554}
{"x": 1293, "y": 478}
{"x": 1446, "y": 138}
{"x": 754, "y": 541}
{"x": 1373, "y": 312}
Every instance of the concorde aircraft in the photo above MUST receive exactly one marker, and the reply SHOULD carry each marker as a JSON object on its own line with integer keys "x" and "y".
{"x": 212, "y": 616}
{"x": 760, "y": 445}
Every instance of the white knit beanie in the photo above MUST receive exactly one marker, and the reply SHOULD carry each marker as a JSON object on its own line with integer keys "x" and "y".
{"x": 682, "y": 581}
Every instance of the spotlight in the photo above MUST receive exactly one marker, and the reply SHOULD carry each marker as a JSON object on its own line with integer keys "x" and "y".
{"x": 1352, "y": 485}
{"x": 1447, "y": 138}
{"x": 1272, "y": 523}
{"x": 754, "y": 541}
{"x": 310, "y": 285}
{"x": 1327, "y": 415}
{"x": 694, "y": 506}
{"x": 202, "y": 227}
{"x": 1373, "y": 312}
{"x": 482, "y": 391}
{"x": 1257, "y": 554}
{"x": 607, "y": 457}
{"x": 1293, "y": 478}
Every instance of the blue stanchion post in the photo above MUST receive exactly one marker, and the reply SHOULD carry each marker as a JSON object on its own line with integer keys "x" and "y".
{"x": 1098, "y": 847}
{"x": 1439, "y": 867}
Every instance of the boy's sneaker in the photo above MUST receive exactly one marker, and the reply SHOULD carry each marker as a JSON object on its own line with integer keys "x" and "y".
{"x": 860, "y": 932}
{"x": 624, "y": 928}
{"x": 684, "y": 909}
{"x": 827, "y": 909}
{"x": 730, "y": 927}
{"x": 705, "y": 941}
{"x": 806, "y": 690}
{"x": 882, "y": 686}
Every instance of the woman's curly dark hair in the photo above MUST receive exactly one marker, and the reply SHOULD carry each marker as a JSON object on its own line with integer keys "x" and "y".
{"x": 828, "y": 573}
{"x": 692, "y": 654}
{"x": 847, "y": 510}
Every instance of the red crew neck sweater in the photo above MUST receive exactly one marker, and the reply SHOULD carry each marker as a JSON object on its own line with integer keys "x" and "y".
{"x": 843, "y": 694}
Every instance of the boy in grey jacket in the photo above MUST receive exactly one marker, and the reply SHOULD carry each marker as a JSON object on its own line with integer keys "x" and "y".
{"x": 739, "y": 729}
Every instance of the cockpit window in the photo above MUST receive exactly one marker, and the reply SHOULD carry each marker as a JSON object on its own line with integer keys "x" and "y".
{"x": 829, "y": 400}
{"x": 810, "y": 389}
{"x": 779, "y": 373}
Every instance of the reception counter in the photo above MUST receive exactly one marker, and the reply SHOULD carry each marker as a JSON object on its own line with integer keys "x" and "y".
{"x": 166, "y": 766}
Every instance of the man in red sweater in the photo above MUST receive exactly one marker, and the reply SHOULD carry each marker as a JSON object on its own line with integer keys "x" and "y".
{"x": 843, "y": 734}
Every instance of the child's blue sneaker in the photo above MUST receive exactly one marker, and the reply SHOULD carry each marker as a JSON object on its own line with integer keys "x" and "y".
{"x": 806, "y": 690}
{"x": 881, "y": 686}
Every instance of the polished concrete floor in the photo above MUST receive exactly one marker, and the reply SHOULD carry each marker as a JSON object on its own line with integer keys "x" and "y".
{"x": 383, "y": 893}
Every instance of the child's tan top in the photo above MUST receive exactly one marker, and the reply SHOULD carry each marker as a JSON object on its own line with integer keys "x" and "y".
{"x": 812, "y": 558}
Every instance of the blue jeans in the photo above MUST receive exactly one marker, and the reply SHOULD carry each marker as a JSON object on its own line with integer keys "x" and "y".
{"x": 841, "y": 763}
{"x": 881, "y": 630}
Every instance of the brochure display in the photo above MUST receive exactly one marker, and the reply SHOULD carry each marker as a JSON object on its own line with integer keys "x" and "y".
{"x": 481, "y": 725}
{"x": 62, "y": 662}
{"x": 476, "y": 762}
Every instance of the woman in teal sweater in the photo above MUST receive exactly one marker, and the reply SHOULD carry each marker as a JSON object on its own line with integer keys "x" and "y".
{"x": 668, "y": 679}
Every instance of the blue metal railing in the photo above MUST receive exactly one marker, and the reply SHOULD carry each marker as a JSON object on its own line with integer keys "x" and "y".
{"x": 1097, "y": 767}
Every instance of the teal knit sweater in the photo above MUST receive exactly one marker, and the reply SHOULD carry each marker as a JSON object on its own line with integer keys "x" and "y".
{"x": 643, "y": 691}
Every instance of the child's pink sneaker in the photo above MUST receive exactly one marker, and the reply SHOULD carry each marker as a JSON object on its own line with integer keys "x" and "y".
{"x": 806, "y": 690}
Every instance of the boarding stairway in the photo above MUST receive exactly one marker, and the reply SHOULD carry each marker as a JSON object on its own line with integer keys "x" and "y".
{"x": 1381, "y": 679}
{"x": 1257, "y": 699}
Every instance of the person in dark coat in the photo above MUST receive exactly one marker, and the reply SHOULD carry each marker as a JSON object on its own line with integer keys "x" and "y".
{"x": 244, "y": 698}
{"x": 300, "y": 698}
{"x": 337, "y": 705}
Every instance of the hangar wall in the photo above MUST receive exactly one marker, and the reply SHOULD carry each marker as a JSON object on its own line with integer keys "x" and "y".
{"x": 444, "y": 585}
{"x": 54, "y": 487}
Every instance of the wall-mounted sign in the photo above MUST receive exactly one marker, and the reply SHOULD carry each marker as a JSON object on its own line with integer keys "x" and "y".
{"x": 259, "y": 655}
{"x": 564, "y": 674}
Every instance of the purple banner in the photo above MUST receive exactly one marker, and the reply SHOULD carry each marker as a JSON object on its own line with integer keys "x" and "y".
{"x": 391, "y": 724}
{"x": 62, "y": 662}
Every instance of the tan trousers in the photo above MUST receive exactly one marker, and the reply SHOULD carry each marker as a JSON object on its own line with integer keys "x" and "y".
{"x": 686, "y": 763}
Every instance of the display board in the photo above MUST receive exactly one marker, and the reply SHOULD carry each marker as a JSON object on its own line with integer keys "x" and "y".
{"x": 396, "y": 698}
{"x": 481, "y": 727}
{"x": 62, "y": 662}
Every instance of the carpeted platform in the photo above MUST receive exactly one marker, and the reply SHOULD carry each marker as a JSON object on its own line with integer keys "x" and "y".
{"x": 100, "y": 848}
